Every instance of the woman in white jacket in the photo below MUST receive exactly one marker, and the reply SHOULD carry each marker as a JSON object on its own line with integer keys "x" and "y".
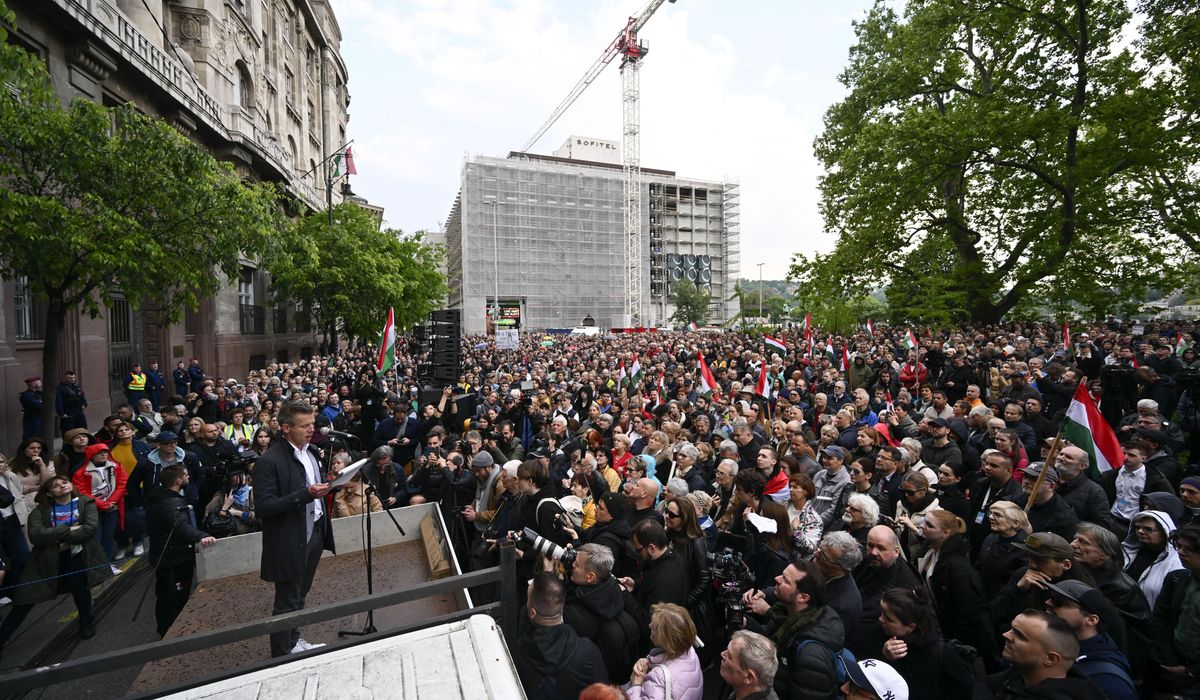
{"x": 1149, "y": 554}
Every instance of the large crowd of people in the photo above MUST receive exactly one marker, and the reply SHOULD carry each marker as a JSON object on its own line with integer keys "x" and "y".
{"x": 884, "y": 514}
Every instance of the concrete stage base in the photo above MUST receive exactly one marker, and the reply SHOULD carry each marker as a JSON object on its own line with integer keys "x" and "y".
{"x": 221, "y": 602}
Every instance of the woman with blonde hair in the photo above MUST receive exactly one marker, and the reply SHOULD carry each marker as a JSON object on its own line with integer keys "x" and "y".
{"x": 916, "y": 501}
{"x": 672, "y": 669}
{"x": 957, "y": 591}
{"x": 998, "y": 557}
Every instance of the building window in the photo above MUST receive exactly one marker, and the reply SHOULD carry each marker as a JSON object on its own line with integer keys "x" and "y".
{"x": 266, "y": 44}
{"x": 244, "y": 86}
{"x": 287, "y": 28}
{"x": 26, "y": 310}
{"x": 246, "y": 287}
{"x": 292, "y": 154}
{"x": 289, "y": 85}
{"x": 120, "y": 322}
{"x": 311, "y": 63}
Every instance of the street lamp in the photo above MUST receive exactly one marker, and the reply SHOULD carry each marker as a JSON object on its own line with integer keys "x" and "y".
{"x": 760, "y": 295}
{"x": 496, "y": 265}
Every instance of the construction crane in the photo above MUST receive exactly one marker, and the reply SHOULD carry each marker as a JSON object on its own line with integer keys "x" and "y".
{"x": 631, "y": 51}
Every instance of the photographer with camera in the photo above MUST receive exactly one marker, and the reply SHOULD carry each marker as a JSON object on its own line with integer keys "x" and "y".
{"x": 595, "y": 607}
{"x": 211, "y": 450}
{"x": 664, "y": 576}
{"x": 231, "y": 510}
{"x": 172, "y": 545}
{"x": 503, "y": 444}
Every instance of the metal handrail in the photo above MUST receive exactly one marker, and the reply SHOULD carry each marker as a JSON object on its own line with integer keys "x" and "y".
{"x": 504, "y": 574}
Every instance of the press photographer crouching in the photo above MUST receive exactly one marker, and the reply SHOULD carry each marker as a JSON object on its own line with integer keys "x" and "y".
{"x": 231, "y": 510}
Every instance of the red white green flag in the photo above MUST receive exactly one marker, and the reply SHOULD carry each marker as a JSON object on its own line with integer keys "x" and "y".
{"x": 621, "y": 376}
{"x": 387, "y": 344}
{"x": 708, "y": 383}
{"x": 774, "y": 344}
{"x": 871, "y": 328}
{"x": 845, "y": 360}
{"x": 1085, "y": 428}
{"x": 1066, "y": 335}
{"x": 910, "y": 340}
{"x": 763, "y": 386}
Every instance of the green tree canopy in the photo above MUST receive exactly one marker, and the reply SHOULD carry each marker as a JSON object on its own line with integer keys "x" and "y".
{"x": 99, "y": 202}
{"x": 989, "y": 155}
{"x": 350, "y": 272}
{"x": 691, "y": 304}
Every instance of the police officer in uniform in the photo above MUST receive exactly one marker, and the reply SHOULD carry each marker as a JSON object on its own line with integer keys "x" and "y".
{"x": 135, "y": 385}
{"x": 31, "y": 408}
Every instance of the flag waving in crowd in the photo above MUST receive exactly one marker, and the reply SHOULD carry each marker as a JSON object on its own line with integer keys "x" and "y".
{"x": 1085, "y": 428}
{"x": 708, "y": 383}
{"x": 775, "y": 345}
{"x": 387, "y": 344}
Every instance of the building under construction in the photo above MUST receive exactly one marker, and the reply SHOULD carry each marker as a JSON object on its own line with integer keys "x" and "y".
{"x": 545, "y": 233}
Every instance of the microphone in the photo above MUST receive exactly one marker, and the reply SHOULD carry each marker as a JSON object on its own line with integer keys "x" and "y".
{"x": 337, "y": 433}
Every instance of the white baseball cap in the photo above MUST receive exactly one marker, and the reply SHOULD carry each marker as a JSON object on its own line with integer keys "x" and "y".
{"x": 879, "y": 678}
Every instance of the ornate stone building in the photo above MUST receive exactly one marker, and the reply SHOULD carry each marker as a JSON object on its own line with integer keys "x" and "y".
{"x": 257, "y": 83}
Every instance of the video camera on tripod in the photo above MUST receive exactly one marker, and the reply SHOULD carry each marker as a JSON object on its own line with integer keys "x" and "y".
{"x": 730, "y": 579}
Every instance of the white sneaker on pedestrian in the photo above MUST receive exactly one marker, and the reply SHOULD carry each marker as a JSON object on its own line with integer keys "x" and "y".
{"x": 115, "y": 570}
{"x": 139, "y": 551}
{"x": 302, "y": 645}
{"x": 5, "y": 601}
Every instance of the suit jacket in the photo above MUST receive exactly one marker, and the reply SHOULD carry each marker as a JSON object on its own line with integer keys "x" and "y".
{"x": 284, "y": 510}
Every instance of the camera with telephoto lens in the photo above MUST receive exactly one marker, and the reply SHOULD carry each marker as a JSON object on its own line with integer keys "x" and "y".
{"x": 544, "y": 547}
{"x": 233, "y": 464}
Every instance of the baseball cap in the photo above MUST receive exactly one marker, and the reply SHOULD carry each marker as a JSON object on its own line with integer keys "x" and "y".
{"x": 1035, "y": 468}
{"x": 835, "y": 451}
{"x": 1045, "y": 545}
{"x": 879, "y": 678}
{"x": 940, "y": 422}
{"x": 165, "y": 437}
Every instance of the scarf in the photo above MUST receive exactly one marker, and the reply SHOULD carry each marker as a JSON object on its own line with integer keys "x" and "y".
{"x": 792, "y": 623}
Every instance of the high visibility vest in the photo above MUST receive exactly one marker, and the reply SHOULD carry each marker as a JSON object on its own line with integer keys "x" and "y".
{"x": 137, "y": 381}
{"x": 233, "y": 433}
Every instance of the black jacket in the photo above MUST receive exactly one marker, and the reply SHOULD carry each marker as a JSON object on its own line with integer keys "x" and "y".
{"x": 1088, "y": 500}
{"x": 281, "y": 504}
{"x": 664, "y": 580}
{"x": 555, "y": 662}
{"x": 808, "y": 671}
{"x": 597, "y": 612}
{"x": 615, "y": 535}
{"x": 873, "y": 581}
{"x": 1167, "y": 611}
{"x": 173, "y": 538}
{"x": 958, "y": 594}
{"x": 1008, "y": 685}
{"x": 1055, "y": 515}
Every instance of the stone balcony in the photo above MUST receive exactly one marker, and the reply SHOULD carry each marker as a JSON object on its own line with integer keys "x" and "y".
{"x": 118, "y": 34}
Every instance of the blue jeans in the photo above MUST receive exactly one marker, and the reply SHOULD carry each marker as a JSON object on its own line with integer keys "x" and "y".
{"x": 107, "y": 534}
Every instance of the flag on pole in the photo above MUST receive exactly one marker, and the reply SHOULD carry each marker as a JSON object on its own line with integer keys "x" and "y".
{"x": 871, "y": 328}
{"x": 773, "y": 344}
{"x": 621, "y": 376}
{"x": 763, "y": 386}
{"x": 660, "y": 389}
{"x": 808, "y": 323}
{"x": 1181, "y": 345}
{"x": 387, "y": 344}
{"x": 343, "y": 163}
{"x": 692, "y": 326}
{"x": 708, "y": 383}
{"x": 1066, "y": 335}
{"x": 635, "y": 371}
{"x": 845, "y": 360}
{"x": 1087, "y": 430}
{"x": 829, "y": 350}
{"x": 910, "y": 340}
{"x": 808, "y": 338}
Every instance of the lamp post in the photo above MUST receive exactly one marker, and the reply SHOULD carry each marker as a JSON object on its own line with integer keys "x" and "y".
{"x": 760, "y": 294}
{"x": 495, "y": 204}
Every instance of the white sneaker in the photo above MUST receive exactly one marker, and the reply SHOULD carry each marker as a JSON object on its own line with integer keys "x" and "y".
{"x": 302, "y": 645}
{"x": 5, "y": 601}
{"x": 115, "y": 570}
{"x": 139, "y": 551}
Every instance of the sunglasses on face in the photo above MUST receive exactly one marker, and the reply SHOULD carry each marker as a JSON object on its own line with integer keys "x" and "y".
{"x": 910, "y": 492}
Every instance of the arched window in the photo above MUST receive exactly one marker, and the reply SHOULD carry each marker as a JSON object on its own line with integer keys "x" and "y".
{"x": 292, "y": 153}
{"x": 243, "y": 85}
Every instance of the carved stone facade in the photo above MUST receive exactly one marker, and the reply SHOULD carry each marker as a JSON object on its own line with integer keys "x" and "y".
{"x": 241, "y": 79}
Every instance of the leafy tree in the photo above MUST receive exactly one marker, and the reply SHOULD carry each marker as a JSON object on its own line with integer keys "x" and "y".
{"x": 989, "y": 152}
{"x": 99, "y": 202}
{"x": 350, "y": 272}
{"x": 691, "y": 304}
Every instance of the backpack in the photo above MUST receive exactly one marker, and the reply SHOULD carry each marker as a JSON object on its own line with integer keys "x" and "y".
{"x": 841, "y": 659}
{"x": 618, "y": 640}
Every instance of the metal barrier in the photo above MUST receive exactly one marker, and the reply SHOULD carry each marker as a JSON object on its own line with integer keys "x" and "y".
{"x": 504, "y": 574}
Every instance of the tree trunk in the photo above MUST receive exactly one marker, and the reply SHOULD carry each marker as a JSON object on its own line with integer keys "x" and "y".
{"x": 55, "y": 322}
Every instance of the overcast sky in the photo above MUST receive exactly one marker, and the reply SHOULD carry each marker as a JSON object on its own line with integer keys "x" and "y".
{"x": 730, "y": 89}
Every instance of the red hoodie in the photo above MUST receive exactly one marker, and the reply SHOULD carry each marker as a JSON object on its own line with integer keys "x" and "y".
{"x": 91, "y": 479}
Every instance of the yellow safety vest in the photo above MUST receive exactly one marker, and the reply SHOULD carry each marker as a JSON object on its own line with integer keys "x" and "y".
{"x": 137, "y": 382}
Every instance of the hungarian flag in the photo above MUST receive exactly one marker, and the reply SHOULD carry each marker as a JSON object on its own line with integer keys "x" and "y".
{"x": 635, "y": 372}
{"x": 808, "y": 338}
{"x": 1181, "y": 345}
{"x": 621, "y": 375}
{"x": 660, "y": 389}
{"x": 773, "y": 344}
{"x": 871, "y": 328}
{"x": 829, "y": 352}
{"x": 1087, "y": 430}
{"x": 763, "y": 386}
{"x": 708, "y": 383}
{"x": 845, "y": 360}
{"x": 387, "y": 344}
{"x": 910, "y": 340}
{"x": 692, "y": 326}
{"x": 343, "y": 164}
{"x": 808, "y": 323}
{"x": 1066, "y": 335}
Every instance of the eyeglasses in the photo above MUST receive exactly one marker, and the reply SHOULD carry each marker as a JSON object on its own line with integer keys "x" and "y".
{"x": 911, "y": 492}
{"x": 1145, "y": 528}
{"x": 671, "y": 515}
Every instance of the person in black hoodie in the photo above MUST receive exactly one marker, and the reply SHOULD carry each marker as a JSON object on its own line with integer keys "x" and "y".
{"x": 173, "y": 538}
{"x": 933, "y": 668}
{"x": 612, "y": 530}
{"x": 1041, "y": 650}
{"x": 595, "y": 607}
{"x": 552, "y": 660}
{"x": 949, "y": 493}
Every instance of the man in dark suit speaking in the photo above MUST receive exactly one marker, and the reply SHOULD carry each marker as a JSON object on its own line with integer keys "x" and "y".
{"x": 289, "y": 492}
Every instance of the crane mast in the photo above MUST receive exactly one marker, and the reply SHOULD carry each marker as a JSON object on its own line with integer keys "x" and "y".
{"x": 632, "y": 51}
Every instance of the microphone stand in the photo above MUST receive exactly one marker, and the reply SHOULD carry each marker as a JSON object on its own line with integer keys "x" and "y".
{"x": 369, "y": 625}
